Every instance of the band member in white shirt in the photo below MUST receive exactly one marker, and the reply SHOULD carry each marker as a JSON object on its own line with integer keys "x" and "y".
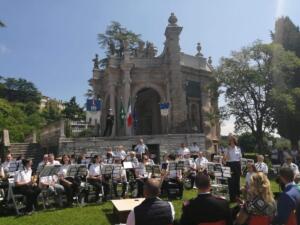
{"x": 289, "y": 163}
{"x": 51, "y": 160}
{"x": 25, "y": 185}
{"x": 201, "y": 162}
{"x": 95, "y": 178}
{"x": 69, "y": 183}
{"x": 183, "y": 150}
{"x": 190, "y": 169}
{"x": 260, "y": 165}
{"x": 120, "y": 153}
{"x": 232, "y": 157}
{"x": 109, "y": 157}
{"x": 194, "y": 148}
{"x": 141, "y": 174}
{"x": 7, "y": 163}
{"x": 173, "y": 176}
{"x": 119, "y": 177}
{"x": 141, "y": 148}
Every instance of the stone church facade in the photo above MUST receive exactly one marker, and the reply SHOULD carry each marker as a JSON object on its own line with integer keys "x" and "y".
{"x": 147, "y": 80}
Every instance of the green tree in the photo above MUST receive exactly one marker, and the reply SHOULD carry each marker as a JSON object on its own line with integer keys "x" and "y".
{"x": 73, "y": 111}
{"x": 52, "y": 112}
{"x": 286, "y": 93}
{"x": 19, "y": 90}
{"x": 246, "y": 78}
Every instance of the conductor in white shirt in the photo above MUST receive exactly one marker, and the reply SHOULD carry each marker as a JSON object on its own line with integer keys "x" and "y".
{"x": 260, "y": 165}
{"x": 232, "y": 157}
{"x": 141, "y": 148}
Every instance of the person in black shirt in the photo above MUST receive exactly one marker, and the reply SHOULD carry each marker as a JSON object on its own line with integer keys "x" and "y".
{"x": 205, "y": 208}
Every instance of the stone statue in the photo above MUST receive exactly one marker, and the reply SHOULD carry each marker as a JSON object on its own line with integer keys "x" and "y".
{"x": 150, "y": 50}
{"x": 141, "y": 50}
{"x": 172, "y": 20}
{"x": 199, "y": 54}
{"x": 209, "y": 60}
{"x": 96, "y": 62}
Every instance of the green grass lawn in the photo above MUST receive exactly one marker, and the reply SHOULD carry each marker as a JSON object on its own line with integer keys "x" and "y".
{"x": 88, "y": 215}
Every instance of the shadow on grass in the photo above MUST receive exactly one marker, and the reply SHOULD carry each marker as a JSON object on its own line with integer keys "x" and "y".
{"x": 110, "y": 216}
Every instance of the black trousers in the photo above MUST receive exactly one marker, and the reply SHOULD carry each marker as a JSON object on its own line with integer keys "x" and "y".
{"x": 192, "y": 177}
{"x": 140, "y": 187}
{"x": 234, "y": 181}
{"x": 166, "y": 186}
{"x": 70, "y": 189}
{"x": 31, "y": 193}
{"x": 108, "y": 129}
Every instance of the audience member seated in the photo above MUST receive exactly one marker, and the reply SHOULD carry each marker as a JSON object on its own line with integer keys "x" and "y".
{"x": 251, "y": 170}
{"x": 260, "y": 204}
{"x": 260, "y": 165}
{"x": 190, "y": 169}
{"x": 52, "y": 161}
{"x": 205, "y": 208}
{"x": 289, "y": 199}
{"x": 25, "y": 186}
{"x": 289, "y": 164}
{"x": 153, "y": 210}
{"x": 70, "y": 184}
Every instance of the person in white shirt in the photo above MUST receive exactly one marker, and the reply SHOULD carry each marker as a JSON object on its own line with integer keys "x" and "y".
{"x": 190, "y": 169}
{"x": 109, "y": 156}
{"x": 51, "y": 184}
{"x": 119, "y": 176}
{"x": 51, "y": 160}
{"x": 25, "y": 185}
{"x": 201, "y": 162}
{"x": 9, "y": 162}
{"x": 260, "y": 165}
{"x": 142, "y": 175}
{"x": 152, "y": 208}
{"x": 174, "y": 176}
{"x": 183, "y": 150}
{"x": 120, "y": 153}
{"x": 232, "y": 157}
{"x": 289, "y": 163}
{"x": 251, "y": 169}
{"x": 70, "y": 185}
{"x": 194, "y": 148}
{"x": 141, "y": 148}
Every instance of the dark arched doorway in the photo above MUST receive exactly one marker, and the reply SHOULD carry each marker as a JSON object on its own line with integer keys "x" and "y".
{"x": 147, "y": 112}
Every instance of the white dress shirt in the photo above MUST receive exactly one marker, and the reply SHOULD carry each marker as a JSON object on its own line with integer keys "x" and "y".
{"x": 141, "y": 148}
{"x": 95, "y": 170}
{"x": 131, "y": 216}
{"x": 23, "y": 176}
{"x": 194, "y": 148}
{"x": 183, "y": 151}
{"x": 201, "y": 162}
{"x": 261, "y": 167}
{"x": 233, "y": 154}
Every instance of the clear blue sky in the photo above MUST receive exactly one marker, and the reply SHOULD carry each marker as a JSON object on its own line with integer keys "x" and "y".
{"x": 52, "y": 42}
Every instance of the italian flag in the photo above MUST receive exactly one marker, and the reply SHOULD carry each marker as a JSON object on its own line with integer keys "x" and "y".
{"x": 129, "y": 114}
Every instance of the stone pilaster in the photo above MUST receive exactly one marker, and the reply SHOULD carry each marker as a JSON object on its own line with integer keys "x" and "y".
{"x": 178, "y": 112}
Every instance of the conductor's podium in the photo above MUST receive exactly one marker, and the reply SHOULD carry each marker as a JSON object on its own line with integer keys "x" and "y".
{"x": 123, "y": 207}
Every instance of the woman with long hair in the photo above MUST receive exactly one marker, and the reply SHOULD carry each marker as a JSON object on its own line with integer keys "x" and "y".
{"x": 260, "y": 200}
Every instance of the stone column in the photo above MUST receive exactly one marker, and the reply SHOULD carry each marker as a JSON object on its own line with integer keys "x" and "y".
{"x": 178, "y": 107}
{"x": 205, "y": 109}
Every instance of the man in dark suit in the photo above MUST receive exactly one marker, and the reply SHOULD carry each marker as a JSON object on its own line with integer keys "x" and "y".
{"x": 153, "y": 210}
{"x": 289, "y": 199}
{"x": 205, "y": 208}
{"x": 109, "y": 123}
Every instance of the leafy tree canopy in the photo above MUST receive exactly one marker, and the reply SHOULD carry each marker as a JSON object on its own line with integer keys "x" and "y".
{"x": 247, "y": 79}
{"x": 73, "y": 111}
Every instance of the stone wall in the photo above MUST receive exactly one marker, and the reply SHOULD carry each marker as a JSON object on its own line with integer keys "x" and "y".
{"x": 97, "y": 145}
